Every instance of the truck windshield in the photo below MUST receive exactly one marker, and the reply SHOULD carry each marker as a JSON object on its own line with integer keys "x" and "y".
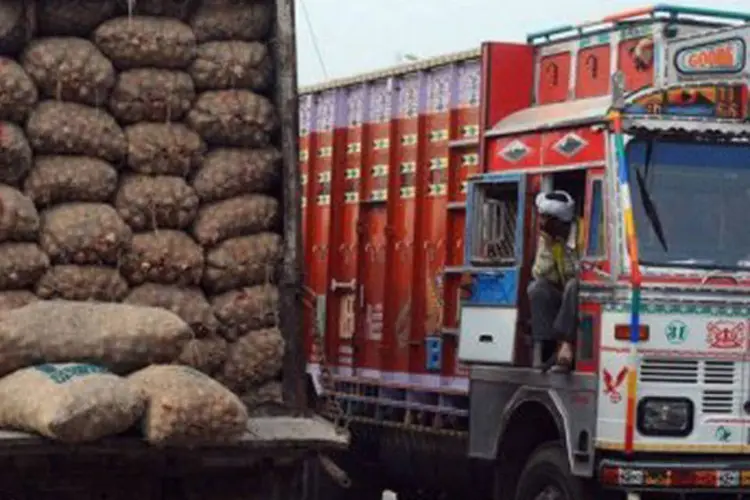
{"x": 698, "y": 197}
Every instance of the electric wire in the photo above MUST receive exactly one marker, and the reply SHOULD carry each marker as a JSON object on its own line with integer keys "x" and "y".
{"x": 314, "y": 38}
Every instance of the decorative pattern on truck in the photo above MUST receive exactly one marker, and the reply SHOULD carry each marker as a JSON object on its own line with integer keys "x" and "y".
{"x": 469, "y": 77}
{"x": 707, "y": 101}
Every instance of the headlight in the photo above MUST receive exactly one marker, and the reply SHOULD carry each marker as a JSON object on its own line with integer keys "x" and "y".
{"x": 665, "y": 417}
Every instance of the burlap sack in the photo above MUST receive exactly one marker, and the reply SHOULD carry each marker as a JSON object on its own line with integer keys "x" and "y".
{"x": 155, "y": 95}
{"x": 74, "y": 129}
{"x": 101, "y": 284}
{"x": 233, "y": 118}
{"x": 69, "y": 402}
{"x": 240, "y": 216}
{"x": 73, "y": 17}
{"x": 14, "y": 299}
{"x": 15, "y": 154}
{"x": 232, "y": 20}
{"x": 19, "y": 219}
{"x": 180, "y": 9}
{"x": 246, "y": 261}
{"x": 232, "y": 65}
{"x": 186, "y": 406}
{"x": 21, "y": 265}
{"x": 263, "y": 399}
{"x": 139, "y": 41}
{"x": 233, "y": 172}
{"x": 161, "y": 202}
{"x": 17, "y": 25}
{"x": 69, "y": 69}
{"x": 84, "y": 233}
{"x": 255, "y": 358}
{"x": 190, "y": 304}
{"x": 164, "y": 148}
{"x": 246, "y": 309}
{"x": 206, "y": 355}
{"x": 18, "y": 93}
{"x": 60, "y": 179}
{"x": 121, "y": 337}
{"x": 168, "y": 257}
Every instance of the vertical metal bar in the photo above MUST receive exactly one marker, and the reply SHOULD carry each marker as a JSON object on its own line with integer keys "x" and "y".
{"x": 283, "y": 49}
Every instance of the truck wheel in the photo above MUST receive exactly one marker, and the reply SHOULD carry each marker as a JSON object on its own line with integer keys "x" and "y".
{"x": 547, "y": 476}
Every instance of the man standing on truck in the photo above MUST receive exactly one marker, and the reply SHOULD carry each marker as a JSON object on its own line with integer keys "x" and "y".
{"x": 553, "y": 293}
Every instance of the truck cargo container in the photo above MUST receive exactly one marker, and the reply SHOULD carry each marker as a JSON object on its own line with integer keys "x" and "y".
{"x": 279, "y": 454}
{"x": 420, "y": 231}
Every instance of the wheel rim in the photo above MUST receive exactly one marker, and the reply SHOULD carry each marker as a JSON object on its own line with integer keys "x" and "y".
{"x": 550, "y": 492}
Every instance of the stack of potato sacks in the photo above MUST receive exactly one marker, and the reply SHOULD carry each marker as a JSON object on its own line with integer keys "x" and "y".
{"x": 137, "y": 165}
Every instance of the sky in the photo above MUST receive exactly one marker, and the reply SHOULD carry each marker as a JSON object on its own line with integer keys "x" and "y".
{"x": 356, "y": 36}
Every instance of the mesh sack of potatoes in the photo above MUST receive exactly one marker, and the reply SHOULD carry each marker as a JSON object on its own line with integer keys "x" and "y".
{"x": 185, "y": 406}
{"x": 15, "y": 154}
{"x": 18, "y": 93}
{"x": 121, "y": 337}
{"x": 190, "y": 304}
{"x": 69, "y": 402}
{"x": 21, "y": 265}
{"x": 155, "y": 95}
{"x": 75, "y": 129}
{"x": 13, "y": 299}
{"x": 19, "y": 219}
{"x": 232, "y": 20}
{"x": 168, "y": 257}
{"x": 84, "y": 233}
{"x": 255, "y": 358}
{"x": 164, "y": 148}
{"x": 71, "y": 282}
{"x": 72, "y": 17}
{"x": 240, "y": 216}
{"x": 245, "y": 261}
{"x": 232, "y": 65}
{"x": 59, "y": 179}
{"x": 162, "y": 202}
{"x": 140, "y": 41}
{"x": 233, "y": 118}
{"x": 17, "y": 25}
{"x": 262, "y": 399}
{"x": 228, "y": 172}
{"x": 243, "y": 310}
{"x": 69, "y": 69}
{"x": 179, "y": 9}
{"x": 206, "y": 355}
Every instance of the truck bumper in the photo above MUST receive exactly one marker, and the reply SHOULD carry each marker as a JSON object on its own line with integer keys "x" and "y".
{"x": 677, "y": 474}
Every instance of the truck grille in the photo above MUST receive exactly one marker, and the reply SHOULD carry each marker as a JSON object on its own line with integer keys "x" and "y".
{"x": 709, "y": 374}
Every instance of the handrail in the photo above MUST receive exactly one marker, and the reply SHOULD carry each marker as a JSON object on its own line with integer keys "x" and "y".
{"x": 671, "y": 10}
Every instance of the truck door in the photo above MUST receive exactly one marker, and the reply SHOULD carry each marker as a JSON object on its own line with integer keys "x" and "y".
{"x": 493, "y": 253}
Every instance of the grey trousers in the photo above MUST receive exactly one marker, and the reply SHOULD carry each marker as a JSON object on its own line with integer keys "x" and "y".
{"x": 554, "y": 312}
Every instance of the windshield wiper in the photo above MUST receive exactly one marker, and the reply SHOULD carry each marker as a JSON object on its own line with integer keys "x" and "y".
{"x": 648, "y": 203}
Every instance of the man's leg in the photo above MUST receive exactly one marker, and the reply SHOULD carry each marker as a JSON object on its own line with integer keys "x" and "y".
{"x": 544, "y": 302}
{"x": 566, "y": 323}
{"x": 566, "y": 320}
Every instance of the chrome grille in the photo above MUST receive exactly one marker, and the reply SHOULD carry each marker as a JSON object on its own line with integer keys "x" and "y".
{"x": 669, "y": 371}
{"x": 718, "y": 402}
{"x": 714, "y": 378}
{"x": 718, "y": 372}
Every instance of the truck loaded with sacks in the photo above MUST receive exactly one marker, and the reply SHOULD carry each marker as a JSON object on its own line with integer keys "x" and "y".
{"x": 148, "y": 241}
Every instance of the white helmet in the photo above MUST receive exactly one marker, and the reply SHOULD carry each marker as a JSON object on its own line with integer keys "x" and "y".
{"x": 557, "y": 204}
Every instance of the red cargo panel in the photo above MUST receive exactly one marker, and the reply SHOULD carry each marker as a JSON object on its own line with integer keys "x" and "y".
{"x": 512, "y": 153}
{"x": 554, "y": 78}
{"x": 593, "y": 72}
{"x": 638, "y": 73}
{"x": 320, "y": 166}
{"x": 402, "y": 215}
{"x": 572, "y": 146}
{"x": 376, "y": 170}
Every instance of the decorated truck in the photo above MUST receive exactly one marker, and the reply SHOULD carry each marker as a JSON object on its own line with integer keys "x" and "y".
{"x": 420, "y": 232}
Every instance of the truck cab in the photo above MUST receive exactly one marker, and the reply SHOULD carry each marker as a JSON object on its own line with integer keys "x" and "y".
{"x": 656, "y": 154}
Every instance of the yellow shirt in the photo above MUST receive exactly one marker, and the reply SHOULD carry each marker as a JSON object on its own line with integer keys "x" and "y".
{"x": 555, "y": 261}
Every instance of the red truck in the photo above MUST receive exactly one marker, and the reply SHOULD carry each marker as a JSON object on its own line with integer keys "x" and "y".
{"x": 420, "y": 231}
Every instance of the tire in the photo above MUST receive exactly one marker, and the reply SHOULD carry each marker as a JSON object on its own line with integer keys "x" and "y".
{"x": 548, "y": 470}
